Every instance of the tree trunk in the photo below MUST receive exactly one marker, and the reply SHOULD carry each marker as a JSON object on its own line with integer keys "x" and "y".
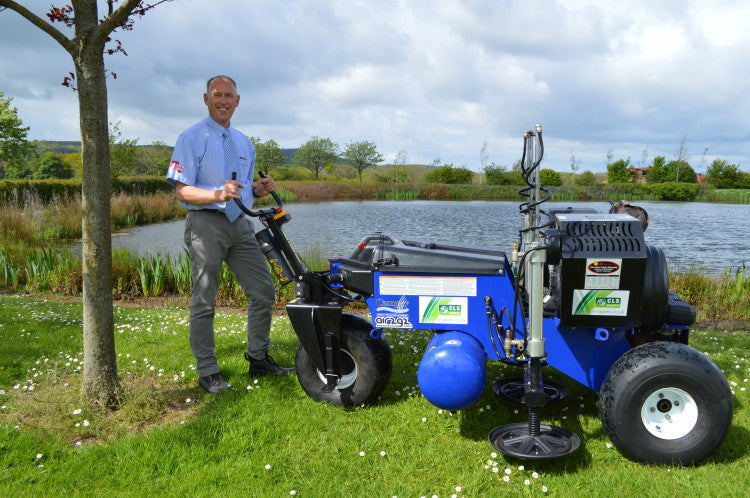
{"x": 100, "y": 383}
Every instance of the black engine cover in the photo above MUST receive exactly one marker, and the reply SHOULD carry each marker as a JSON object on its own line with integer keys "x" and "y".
{"x": 602, "y": 269}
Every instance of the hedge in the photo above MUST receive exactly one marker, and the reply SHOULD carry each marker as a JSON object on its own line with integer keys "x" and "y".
{"x": 46, "y": 190}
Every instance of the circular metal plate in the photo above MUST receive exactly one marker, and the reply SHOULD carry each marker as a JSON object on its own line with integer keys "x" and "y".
{"x": 551, "y": 442}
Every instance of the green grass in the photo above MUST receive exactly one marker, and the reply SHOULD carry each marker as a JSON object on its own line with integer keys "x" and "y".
{"x": 268, "y": 438}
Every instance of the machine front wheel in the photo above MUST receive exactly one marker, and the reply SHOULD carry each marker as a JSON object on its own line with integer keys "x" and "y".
{"x": 366, "y": 367}
{"x": 665, "y": 403}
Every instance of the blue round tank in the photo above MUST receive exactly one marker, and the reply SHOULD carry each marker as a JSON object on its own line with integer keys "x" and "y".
{"x": 451, "y": 374}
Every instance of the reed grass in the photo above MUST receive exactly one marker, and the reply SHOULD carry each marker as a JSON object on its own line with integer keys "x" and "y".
{"x": 58, "y": 271}
{"x": 722, "y": 297}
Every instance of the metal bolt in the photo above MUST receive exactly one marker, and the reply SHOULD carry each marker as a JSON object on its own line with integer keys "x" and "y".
{"x": 658, "y": 428}
{"x": 652, "y": 409}
{"x": 661, "y": 395}
{"x": 667, "y": 417}
{"x": 676, "y": 403}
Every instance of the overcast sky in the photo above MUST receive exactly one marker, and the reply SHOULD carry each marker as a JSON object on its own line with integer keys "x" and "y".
{"x": 437, "y": 80}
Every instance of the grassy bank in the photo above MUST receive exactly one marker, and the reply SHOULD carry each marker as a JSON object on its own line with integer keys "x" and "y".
{"x": 269, "y": 439}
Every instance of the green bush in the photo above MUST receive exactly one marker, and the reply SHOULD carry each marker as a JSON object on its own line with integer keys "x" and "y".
{"x": 495, "y": 175}
{"x": 49, "y": 165}
{"x": 449, "y": 174}
{"x": 619, "y": 171}
{"x": 550, "y": 178}
{"x": 295, "y": 173}
{"x": 585, "y": 179}
{"x": 672, "y": 191}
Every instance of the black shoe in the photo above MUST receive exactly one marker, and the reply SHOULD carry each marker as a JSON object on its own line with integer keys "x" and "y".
{"x": 213, "y": 383}
{"x": 266, "y": 366}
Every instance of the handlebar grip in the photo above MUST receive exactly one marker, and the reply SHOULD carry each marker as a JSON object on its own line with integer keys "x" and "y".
{"x": 273, "y": 192}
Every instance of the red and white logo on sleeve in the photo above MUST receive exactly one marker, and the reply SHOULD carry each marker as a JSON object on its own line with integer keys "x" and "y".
{"x": 175, "y": 165}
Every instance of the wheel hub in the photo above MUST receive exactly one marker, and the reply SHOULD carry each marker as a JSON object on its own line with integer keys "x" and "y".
{"x": 669, "y": 413}
{"x": 348, "y": 371}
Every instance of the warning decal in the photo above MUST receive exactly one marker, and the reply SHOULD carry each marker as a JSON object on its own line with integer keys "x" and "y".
{"x": 603, "y": 273}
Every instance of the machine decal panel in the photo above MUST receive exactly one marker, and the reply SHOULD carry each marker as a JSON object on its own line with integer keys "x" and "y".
{"x": 392, "y": 314}
{"x": 393, "y": 321}
{"x": 443, "y": 309}
{"x": 600, "y": 302}
{"x": 428, "y": 286}
{"x": 603, "y": 274}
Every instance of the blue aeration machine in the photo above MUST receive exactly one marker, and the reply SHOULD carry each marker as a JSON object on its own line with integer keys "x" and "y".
{"x": 580, "y": 291}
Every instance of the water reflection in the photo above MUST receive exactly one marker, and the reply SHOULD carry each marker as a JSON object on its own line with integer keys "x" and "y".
{"x": 713, "y": 236}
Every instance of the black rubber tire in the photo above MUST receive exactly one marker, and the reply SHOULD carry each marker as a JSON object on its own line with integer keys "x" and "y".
{"x": 367, "y": 367}
{"x": 629, "y": 399}
{"x": 654, "y": 300}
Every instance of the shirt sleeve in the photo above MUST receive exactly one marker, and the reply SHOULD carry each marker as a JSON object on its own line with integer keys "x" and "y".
{"x": 183, "y": 167}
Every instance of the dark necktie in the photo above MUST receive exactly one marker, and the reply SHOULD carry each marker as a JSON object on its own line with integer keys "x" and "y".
{"x": 231, "y": 163}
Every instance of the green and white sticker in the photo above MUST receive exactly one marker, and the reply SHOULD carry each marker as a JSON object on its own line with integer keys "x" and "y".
{"x": 600, "y": 302}
{"x": 443, "y": 309}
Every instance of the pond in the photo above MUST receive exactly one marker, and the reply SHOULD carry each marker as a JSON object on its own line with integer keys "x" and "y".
{"x": 707, "y": 235}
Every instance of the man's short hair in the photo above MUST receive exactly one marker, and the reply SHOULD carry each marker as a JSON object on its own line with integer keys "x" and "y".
{"x": 212, "y": 78}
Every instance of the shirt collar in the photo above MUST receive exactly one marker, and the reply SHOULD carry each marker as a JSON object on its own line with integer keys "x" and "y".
{"x": 216, "y": 126}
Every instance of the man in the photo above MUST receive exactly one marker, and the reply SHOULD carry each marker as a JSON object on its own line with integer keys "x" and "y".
{"x": 204, "y": 159}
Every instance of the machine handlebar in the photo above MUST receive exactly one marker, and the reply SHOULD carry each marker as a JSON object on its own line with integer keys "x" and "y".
{"x": 259, "y": 212}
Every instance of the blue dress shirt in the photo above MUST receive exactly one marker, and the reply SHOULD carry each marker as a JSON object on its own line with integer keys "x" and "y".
{"x": 198, "y": 160}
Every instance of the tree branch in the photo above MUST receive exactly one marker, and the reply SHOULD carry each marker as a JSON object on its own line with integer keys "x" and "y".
{"x": 40, "y": 23}
{"x": 120, "y": 16}
{"x": 116, "y": 18}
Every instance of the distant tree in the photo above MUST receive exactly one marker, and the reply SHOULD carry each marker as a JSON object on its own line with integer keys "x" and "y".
{"x": 618, "y": 171}
{"x": 644, "y": 157}
{"x": 495, "y": 175}
{"x": 152, "y": 159}
{"x": 441, "y": 174}
{"x": 575, "y": 164}
{"x": 398, "y": 174}
{"x": 681, "y": 153}
{"x": 14, "y": 148}
{"x": 463, "y": 175}
{"x": 610, "y": 156}
{"x": 268, "y": 155}
{"x": 703, "y": 157}
{"x": 550, "y": 178}
{"x": 721, "y": 174}
{"x": 658, "y": 171}
{"x": 73, "y": 161}
{"x": 362, "y": 155}
{"x": 680, "y": 172}
{"x": 585, "y": 179}
{"x": 483, "y": 156}
{"x": 49, "y": 165}
{"x": 316, "y": 154}
{"x": 122, "y": 152}
{"x": 18, "y": 170}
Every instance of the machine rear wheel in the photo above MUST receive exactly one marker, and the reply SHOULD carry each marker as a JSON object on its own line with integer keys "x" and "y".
{"x": 665, "y": 403}
{"x": 366, "y": 367}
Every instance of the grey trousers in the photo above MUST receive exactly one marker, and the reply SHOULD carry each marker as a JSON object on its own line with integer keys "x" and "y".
{"x": 211, "y": 239}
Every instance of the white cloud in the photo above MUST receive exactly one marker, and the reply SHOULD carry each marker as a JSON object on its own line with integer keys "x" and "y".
{"x": 436, "y": 79}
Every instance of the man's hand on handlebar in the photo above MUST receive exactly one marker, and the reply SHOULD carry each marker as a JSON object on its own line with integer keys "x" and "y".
{"x": 264, "y": 186}
{"x": 231, "y": 190}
